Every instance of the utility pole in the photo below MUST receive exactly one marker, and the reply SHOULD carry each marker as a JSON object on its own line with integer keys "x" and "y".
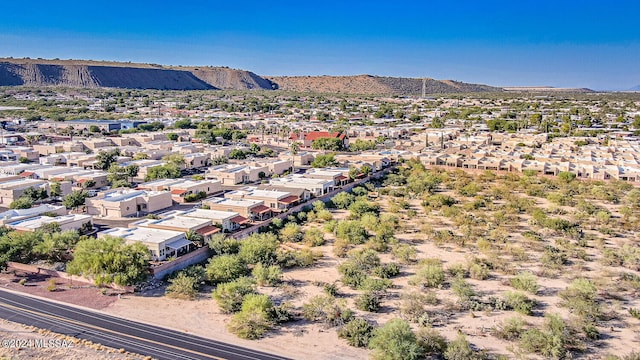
{"x": 424, "y": 88}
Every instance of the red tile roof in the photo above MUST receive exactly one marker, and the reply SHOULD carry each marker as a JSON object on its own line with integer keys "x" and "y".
{"x": 239, "y": 220}
{"x": 178, "y": 192}
{"x": 314, "y": 135}
{"x": 290, "y": 199}
{"x": 208, "y": 230}
{"x": 260, "y": 209}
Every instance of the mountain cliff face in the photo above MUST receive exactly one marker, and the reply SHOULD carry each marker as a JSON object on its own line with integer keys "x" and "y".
{"x": 93, "y": 74}
{"x": 367, "y": 84}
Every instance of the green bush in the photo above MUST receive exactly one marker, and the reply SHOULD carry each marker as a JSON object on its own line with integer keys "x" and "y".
{"x": 183, "y": 287}
{"x": 267, "y": 275}
{"x": 429, "y": 275}
{"x": 479, "y": 271}
{"x": 510, "y": 329}
{"x": 459, "y": 349}
{"x": 313, "y": 237}
{"x": 525, "y": 281}
{"x": 431, "y": 342}
{"x": 357, "y": 332}
{"x": 229, "y": 296}
{"x": 253, "y": 321}
{"x": 581, "y": 297}
{"x": 458, "y": 270}
{"x": 291, "y": 232}
{"x": 225, "y": 268}
{"x": 328, "y": 309}
{"x": 520, "y": 302}
{"x": 395, "y": 341}
{"x": 368, "y": 301}
{"x": 554, "y": 340}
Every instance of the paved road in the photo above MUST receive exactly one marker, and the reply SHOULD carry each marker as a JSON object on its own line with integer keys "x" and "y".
{"x": 148, "y": 340}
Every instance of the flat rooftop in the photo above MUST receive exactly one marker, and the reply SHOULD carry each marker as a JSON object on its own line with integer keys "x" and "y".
{"x": 142, "y": 234}
{"x": 209, "y": 214}
{"x": 238, "y": 203}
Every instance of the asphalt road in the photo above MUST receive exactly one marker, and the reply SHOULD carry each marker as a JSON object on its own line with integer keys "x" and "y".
{"x": 148, "y": 340}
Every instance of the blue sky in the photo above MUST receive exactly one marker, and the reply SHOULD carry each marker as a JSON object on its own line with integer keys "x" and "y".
{"x": 570, "y": 43}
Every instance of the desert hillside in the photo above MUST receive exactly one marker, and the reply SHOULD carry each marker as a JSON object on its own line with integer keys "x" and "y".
{"x": 93, "y": 74}
{"x": 367, "y": 84}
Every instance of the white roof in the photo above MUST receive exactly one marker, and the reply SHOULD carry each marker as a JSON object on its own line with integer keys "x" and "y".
{"x": 209, "y": 214}
{"x": 143, "y": 234}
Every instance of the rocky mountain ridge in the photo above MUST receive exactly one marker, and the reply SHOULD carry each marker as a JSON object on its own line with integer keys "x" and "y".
{"x": 97, "y": 74}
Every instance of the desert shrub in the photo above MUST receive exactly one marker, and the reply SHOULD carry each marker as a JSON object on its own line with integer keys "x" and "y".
{"x": 458, "y": 270}
{"x": 459, "y": 349}
{"x": 412, "y": 305}
{"x": 635, "y": 313}
{"x": 479, "y": 271}
{"x": 183, "y": 287}
{"x": 520, "y": 302}
{"x": 386, "y": 271}
{"x": 553, "y": 258}
{"x": 525, "y": 281}
{"x": 313, "y": 237}
{"x": 225, "y": 268}
{"x": 357, "y": 332}
{"x": 330, "y": 289}
{"x": 405, "y": 253}
{"x": 229, "y": 296}
{"x": 429, "y": 275}
{"x": 351, "y": 231}
{"x": 324, "y": 215}
{"x": 431, "y": 342}
{"x": 581, "y": 298}
{"x": 368, "y": 301}
{"x": 301, "y": 258}
{"x": 254, "y": 319}
{"x": 395, "y": 341}
{"x": 267, "y": 275}
{"x": 554, "y": 340}
{"x": 51, "y": 285}
{"x": 374, "y": 284}
{"x": 325, "y": 308}
{"x": 343, "y": 200}
{"x": 510, "y": 329}
{"x": 462, "y": 289}
{"x": 291, "y": 232}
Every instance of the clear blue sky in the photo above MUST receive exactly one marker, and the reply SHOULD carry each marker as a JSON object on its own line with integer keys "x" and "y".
{"x": 568, "y": 43}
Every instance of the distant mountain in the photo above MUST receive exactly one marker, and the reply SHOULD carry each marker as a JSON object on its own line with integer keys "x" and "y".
{"x": 368, "y": 84}
{"x": 545, "y": 89}
{"x": 94, "y": 74}
{"x": 635, "y": 88}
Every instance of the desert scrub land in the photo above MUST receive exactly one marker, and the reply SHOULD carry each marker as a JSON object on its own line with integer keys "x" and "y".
{"x": 437, "y": 264}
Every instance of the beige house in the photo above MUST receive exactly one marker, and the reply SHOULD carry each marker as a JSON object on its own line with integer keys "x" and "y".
{"x": 13, "y": 189}
{"x": 121, "y": 203}
{"x": 276, "y": 200}
{"x": 181, "y": 188}
{"x": 23, "y": 214}
{"x": 66, "y": 222}
{"x": 251, "y": 209}
{"x": 55, "y": 148}
{"x": 227, "y": 221}
{"x": 161, "y": 243}
{"x": 231, "y": 174}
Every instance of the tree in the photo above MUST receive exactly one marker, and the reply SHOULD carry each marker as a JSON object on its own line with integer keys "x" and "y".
{"x": 237, "y": 154}
{"x": 23, "y": 202}
{"x": 259, "y": 248}
{"x": 75, "y": 199}
{"x": 55, "y": 190}
{"x": 172, "y": 136}
{"x": 225, "y": 268}
{"x": 176, "y": 160}
{"x": 183, "y": 124}
{"x": 330, "y": 144}
{"x": 168, "y": 171}
{"x": 395, "y": 341}
{"x": 109, "y": 260}
{"x": 104, "y": 159}
{"x": 324, "y": 160}
{"x": 267, "y": 275}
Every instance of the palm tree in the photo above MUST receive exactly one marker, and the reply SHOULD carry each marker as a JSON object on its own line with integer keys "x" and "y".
{"x": 294, "y": 147}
